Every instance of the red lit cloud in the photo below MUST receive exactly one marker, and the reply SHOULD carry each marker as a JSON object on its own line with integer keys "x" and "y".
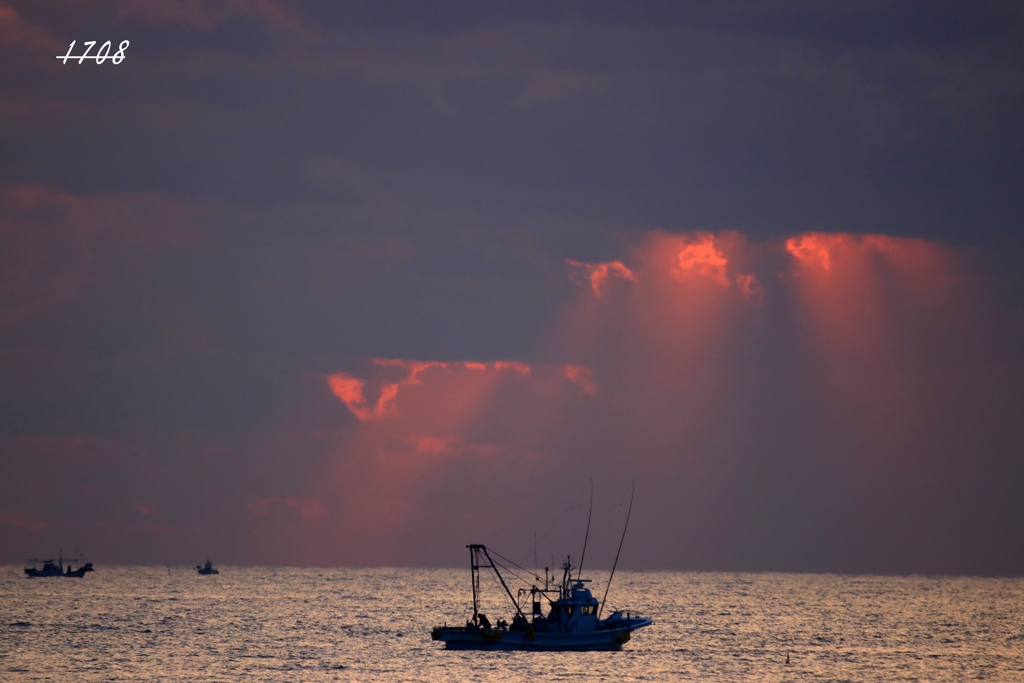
{"x": 16, "y": 520}
{"x": 583, "y": 376}
{"x": 702, "y": 256}
{"x": 682, "y": 390}
{"x": 877, "y": 313}
{"x": 473, "y": 416}
{"x": 195, "y": 353}
{"x": 688, "y": 268}
{"x": 815, "y": 248}
{"x": 799, "y": 403}
{"x": 597, "y": 274}
{"x": 850, "y": 283}
{"x": 14, "y": 31}
{"x": 423, "y": 426}
{"x": 351, "y": 389}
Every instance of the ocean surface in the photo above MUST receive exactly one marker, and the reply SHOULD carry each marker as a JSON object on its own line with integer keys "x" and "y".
{"x": 265, "y": 624}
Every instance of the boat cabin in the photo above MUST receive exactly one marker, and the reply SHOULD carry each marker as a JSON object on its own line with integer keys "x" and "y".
{"x": 575, "y": 611}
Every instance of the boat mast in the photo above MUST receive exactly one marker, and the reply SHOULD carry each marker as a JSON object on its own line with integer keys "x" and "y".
{"x": 474, "y": 576}
{"x": 475, "y": 571}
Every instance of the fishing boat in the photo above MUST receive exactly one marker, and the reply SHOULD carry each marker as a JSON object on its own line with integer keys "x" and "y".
{"x": 206, "y": 569}
{"x": 52, "y": 569}
{"x": 573, "y": 621}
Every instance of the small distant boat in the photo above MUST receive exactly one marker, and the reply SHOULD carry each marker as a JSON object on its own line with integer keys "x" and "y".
{"x": 573, "y": 621}
{"x": 52, "y": 569}
{"x": 206, "y": 569}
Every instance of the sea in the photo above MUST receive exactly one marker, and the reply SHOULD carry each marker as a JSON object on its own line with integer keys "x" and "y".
{"x": 275, "y": 624}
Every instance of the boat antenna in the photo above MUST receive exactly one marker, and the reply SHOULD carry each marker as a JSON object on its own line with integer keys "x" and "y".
{"x": 632, "y": 490}
{"x": 579, "y": 572}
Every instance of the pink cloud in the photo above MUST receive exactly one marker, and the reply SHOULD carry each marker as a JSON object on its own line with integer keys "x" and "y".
{"x": 750, "y": 288}
{"x": 431, "y": 444}
{"x": 598, "y": 274}
{"x": 351, "y": 390}
{"x": 16, "y": 520}
{"x": 14, "y": 31}
{"x": 451, "y": 446}
{"x": 700, "y": 256}
{"x": 582, "y": 376}
{"x": 445, "y": 416}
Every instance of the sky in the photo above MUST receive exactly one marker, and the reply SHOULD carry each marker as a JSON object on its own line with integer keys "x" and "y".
{"x": 360, "y": 283}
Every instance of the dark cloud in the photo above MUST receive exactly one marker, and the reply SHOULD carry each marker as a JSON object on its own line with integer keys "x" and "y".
{"x": 264, "y": 195}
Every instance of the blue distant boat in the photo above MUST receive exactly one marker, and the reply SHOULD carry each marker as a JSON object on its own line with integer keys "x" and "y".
{"x": 573, "y": 621}
{"x": 206, "y": 569}
{"x": 53, "y": 569}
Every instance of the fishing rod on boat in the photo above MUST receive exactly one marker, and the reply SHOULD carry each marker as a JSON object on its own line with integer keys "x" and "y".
{"x": 632, "y": 490}
{"x": 583, "y": 555}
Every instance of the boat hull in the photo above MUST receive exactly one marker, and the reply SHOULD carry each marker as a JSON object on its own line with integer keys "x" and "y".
{"x": 456, "y": 638}
{"x": 54, "y": 571}
{"x": 34, "y": 573}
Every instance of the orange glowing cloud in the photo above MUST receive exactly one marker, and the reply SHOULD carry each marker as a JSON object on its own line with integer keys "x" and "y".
{"x": 449, "y": 446}
{"x": 823, "y": 251}
{"x": 431, "y": 444}
{"x": 16, "y": 520}
{"x": 599, "y": 273}
{"x": 350, "y": 390}
{"x": 446, "y": 418}
{"x": 683, "y": 367}
{"x": 849, "y": 259}
{"x": 582, "y": 376}
{"x": 866, "y": 300}
{"x": 815, "y": 249}
{"x": 689, "y": 291}
{"x": 701, "y": 257}
{"x": 413, "y": 367}
{"x": 521, "y": 368}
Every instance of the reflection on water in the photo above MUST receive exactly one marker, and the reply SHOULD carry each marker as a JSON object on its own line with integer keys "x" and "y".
{"x": 146, "y": 623}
